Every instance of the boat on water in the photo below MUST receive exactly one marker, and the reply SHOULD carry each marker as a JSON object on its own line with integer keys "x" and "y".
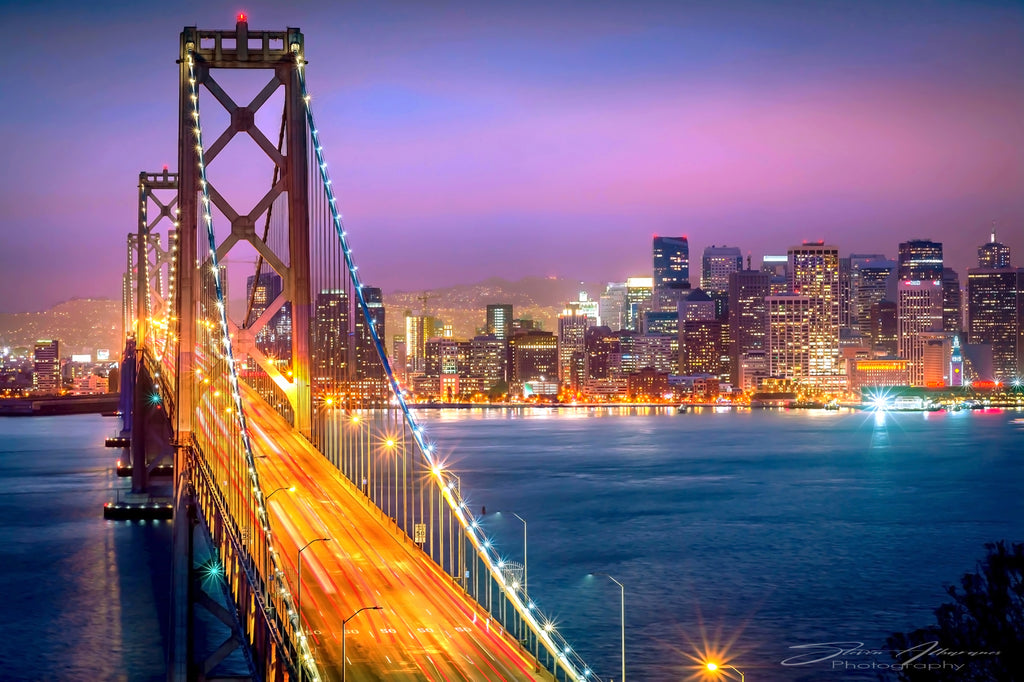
{"x": 683, "y": 409}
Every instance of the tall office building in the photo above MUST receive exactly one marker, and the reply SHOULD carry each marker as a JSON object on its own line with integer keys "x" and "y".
{"x": 993, "y": 254}
{"x": 46, "y": 366}
{"x": 869, "y": 284}
{"x": 814, "y": 274}
{"x": 612, "y": 306}
{"x": 918, "y": 311}
{"x": 275, "y": 339}
{"x": 488, "y": 358}
{"x": 696, "y": 306}
{"x": 499, "y": 320}
{"x": 747, "y": 292}
{"x": 994, "y": 309}
{"x": 419, "y": 328}
{"x": 790, "y": 336}
{"x": 882, "y": 328}
{"x": 952, "y": 303}
{"x": 572, "y": 330}
{"x": 639, "y": 292}
{"x": 920, "y": 259}
{"x": 329, "y": 351}
{"x": 585, "y": 305}
{"x": 367, "y": 361}
{"x": 717, "y": 264}
{"x": 671, "y": 262}
{"x": 867, "y": 276}
{"x": 533, "y": 356}
{"x": 701, "y": 348}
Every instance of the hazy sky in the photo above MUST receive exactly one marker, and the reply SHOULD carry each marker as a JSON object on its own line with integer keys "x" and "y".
{"x": 543, "y": 138}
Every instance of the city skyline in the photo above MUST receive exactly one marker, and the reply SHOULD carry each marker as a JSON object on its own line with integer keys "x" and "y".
{"x": 576, "y": 128}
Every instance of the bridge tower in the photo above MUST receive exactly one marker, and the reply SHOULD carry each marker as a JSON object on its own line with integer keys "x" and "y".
{"x": 274, "y": 52}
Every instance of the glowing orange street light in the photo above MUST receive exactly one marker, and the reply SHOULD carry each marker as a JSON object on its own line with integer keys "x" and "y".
{"x": 714, "y": 667}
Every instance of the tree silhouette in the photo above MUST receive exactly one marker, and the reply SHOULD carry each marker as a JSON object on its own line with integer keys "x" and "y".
{"x": 986, "y": 617}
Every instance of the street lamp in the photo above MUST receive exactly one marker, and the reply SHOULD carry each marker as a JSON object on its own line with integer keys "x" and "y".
{"x": 622, "y": 590}
{"x": 526, "y": 566}
{"x": 290, "y": 489}
{"x": 298, "y": 592}
{"x": 343, "y": 624}
{"x": 715, "y": 667}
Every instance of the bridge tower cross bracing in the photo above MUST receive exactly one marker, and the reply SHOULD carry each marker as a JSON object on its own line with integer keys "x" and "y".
{"x": 232, "y": 50}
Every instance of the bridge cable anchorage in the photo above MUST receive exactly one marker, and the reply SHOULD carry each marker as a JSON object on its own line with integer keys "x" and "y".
{"x": 544, "y": 629}
{"x": 305, "y": 656}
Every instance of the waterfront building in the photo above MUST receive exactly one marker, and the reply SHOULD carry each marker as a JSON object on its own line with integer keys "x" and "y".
{"x": 747, "y": 292}
{"x": 884, "y": 371}
{"x": 46, "y": 366}
{"x": 717, "y": 263}
{"x": 814, "y": 274}
{"x": 533, "y": 356}
{"x": 956, "y": 364}
{"x": 918, "y": 310}
{"x": 702, "y": 347}
{"x": 671, "y": 257}
{"x": 937, "y": 349}
{"x": 790, "y": 320}
{"x": 648, "y": 384}
{"x": 602, "y": 351}
{"x": 920, "y": 259}
{"x": 499, "y": 320}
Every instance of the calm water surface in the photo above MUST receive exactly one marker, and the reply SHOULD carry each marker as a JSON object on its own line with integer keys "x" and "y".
{"x": 83, "y": 598}
{"x": 741, "y": 532}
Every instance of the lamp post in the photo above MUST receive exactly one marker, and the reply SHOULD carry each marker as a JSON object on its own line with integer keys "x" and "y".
{"x": 526, "y": 565}
{"x": 298, "y": 592}
{"x": 343, "y": 624}
{"x": 290, "y": 489}
{"x": 622, "y": 591}
{"x": 715, "y": 667}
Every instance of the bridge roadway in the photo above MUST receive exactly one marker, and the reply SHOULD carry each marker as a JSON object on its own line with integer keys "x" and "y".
{"x": 429, "y": 628}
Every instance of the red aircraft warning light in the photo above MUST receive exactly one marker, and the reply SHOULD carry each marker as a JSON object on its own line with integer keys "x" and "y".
{"x": 242, "y": 17}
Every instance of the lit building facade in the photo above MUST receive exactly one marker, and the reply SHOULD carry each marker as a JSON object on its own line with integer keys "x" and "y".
{"x": 671, "y": 257}
{"x": 994, "y": 311}
{"x": 920, "y": 259}
{"x": 46, "y": 366}
{"x": 717, "y": 263}
{"x": 747, "y": 292}
{"x": 499, "y": 320}
{"x": 790, "y": 319}
{"x": 639, "y": 292}
{"x": 814, "y": 274}
{"x": 572, "y": 330}
{"x": 918, "y": 310}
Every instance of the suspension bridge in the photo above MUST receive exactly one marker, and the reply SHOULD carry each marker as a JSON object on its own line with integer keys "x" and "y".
{"x": 314, "y": 517}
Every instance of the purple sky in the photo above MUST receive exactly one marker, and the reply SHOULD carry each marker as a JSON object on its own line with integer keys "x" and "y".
{"x": 478, "y": 139}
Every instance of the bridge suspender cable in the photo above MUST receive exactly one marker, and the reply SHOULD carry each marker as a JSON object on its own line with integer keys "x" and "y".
{"x": 306, "y": 660}
{"x": 565, "y": 656}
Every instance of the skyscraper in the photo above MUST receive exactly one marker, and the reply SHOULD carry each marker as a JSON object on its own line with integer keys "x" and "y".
{"x": 671, "y": 262}
{"x": 572, "y": 330}
{"x": 612, "y": 306}
{"x": 952, "y": 304}
{"x": 747, "y": 292}
{"x": 814, "y": 274}
{"x": 367, "y": 361}
{"x": 994, "y": 300}
{"x": 46, "y": 366}
{"x": 639, "y": 291}
{"x": 790, "y": 321}
{"x": 993, "y": 254}
{"x": 329, "y": 350}
{"x": 918, "y": 311}
{"x": 869, "y": 284}
{"x": 920, "y": 259}
{"x": 499, "y": 320}
{"x": 717, "y": 264}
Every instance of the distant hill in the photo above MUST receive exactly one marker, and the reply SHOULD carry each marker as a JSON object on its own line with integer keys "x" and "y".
{"x": 82, "y": 325}
{"x": 465, "y": 306}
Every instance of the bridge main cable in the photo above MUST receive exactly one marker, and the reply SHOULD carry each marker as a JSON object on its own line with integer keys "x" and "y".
{"x": 557, "y": 646}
